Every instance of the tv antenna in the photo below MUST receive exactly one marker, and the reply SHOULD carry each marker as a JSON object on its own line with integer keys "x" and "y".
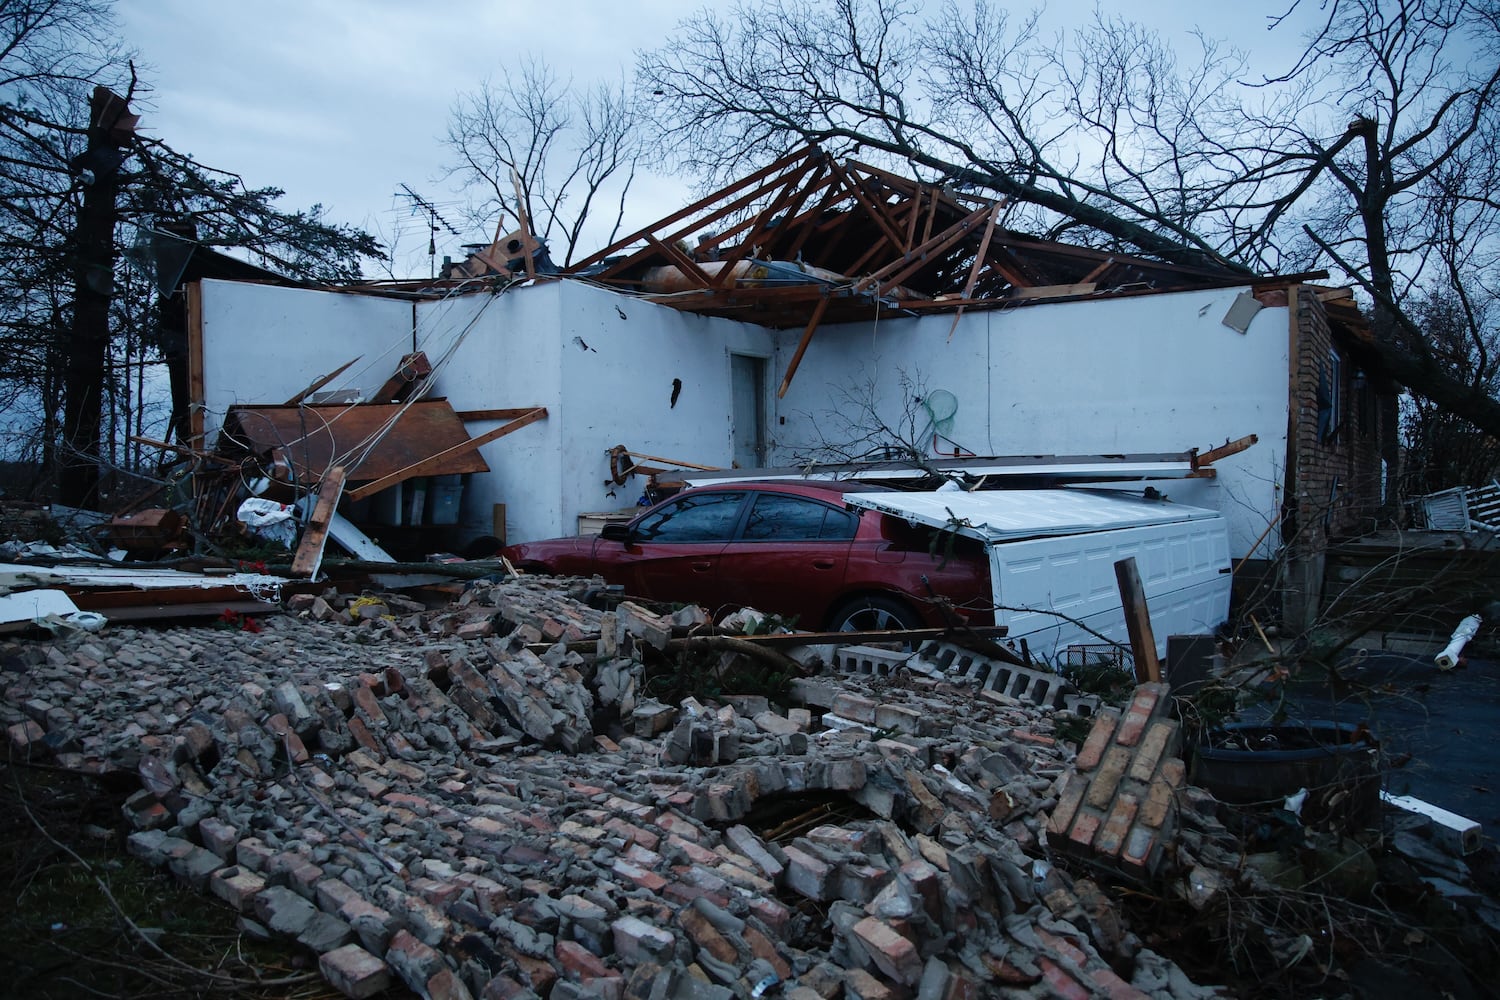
{"x": 435, "y": 222}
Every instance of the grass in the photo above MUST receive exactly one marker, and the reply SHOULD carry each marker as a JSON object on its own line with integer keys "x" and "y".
{"x": 82, "y": 918}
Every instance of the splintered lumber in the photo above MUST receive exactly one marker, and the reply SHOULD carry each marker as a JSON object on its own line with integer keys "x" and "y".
{"x": 434, "y": 463}
{"x": 1223, "y": 451}
{"x": 320, "y": 383}
{"x": 1137, "y": 621}
{"x": 310, "y": 550}
{"x": 807, "y": 335}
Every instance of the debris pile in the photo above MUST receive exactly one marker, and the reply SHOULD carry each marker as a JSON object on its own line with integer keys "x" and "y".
{"x": 453, "y": 812}
{"x": 511, "y": 796}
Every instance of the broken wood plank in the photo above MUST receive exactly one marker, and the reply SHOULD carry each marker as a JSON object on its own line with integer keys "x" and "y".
{"x": 350, "y": 538}
{"x": 434, "y": 463}
{"x": 984, "y": 250}
{"x": 1223, "y": 451}
{"x": 1137, "y": 621}
{"x": 1054, "y": 291}
{"x": 503, "y": 413}
{"x": 320, "y": 383}
{"x": 315, "y": 537}
{"x": 807, "y": 335}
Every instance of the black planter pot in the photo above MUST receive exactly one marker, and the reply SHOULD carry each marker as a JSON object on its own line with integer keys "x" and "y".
{"x": 1255, "y": 763}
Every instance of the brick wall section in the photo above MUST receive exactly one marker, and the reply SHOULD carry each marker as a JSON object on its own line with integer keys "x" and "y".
{"x": 1366, "y": 420}
{"x": 1116, "y": 805}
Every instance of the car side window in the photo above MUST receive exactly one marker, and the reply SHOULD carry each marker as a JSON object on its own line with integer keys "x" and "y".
{"x": 700, "y": 517}
{"x": 780, "y": 518}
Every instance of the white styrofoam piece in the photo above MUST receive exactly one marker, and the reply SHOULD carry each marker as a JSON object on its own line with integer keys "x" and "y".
{"x": 34, "y": 605}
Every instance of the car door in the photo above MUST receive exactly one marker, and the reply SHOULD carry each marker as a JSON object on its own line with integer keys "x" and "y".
{"x": 789, "y": 557}
{"x": 674, "y": 549}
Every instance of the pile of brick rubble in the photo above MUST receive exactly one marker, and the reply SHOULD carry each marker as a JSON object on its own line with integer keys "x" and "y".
{"x": 420, "y": 797}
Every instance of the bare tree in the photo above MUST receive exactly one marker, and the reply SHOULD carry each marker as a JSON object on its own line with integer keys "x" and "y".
{"x": 71, "y": 167}
{"x": 574, "y": 152}
{"x": 1104, "y": 137}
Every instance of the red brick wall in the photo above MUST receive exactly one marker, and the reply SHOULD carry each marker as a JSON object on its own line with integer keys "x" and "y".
{"x": 1337, "y": 448}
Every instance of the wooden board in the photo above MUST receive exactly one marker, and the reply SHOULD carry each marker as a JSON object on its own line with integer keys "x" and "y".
{"x": 315, "y": 538}
{"x": 313, "y": 438}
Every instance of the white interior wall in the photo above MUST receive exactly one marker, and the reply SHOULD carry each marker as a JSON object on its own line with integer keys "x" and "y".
{"x": 265, "y": 343}
{"x": 619, "y": 359}
{"x": 603, "y": 365}
{"x": 504, "y": 354}
{"x": 1145, "y": 374}
{"x": 1151, "y": 373}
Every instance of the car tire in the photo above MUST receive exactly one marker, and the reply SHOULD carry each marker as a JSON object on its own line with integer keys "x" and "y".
{"x": 874, "y": 613}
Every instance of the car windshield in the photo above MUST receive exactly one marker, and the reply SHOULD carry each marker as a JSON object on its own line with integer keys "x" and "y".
{"x": 697, "y": 517}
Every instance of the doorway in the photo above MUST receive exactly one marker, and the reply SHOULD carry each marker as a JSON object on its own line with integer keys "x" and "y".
{"x": 747, "y": 380}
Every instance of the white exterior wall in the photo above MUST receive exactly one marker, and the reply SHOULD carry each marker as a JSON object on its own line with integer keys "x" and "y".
{"x": 1146, "y": 374}
{"x": 1151, "y": 373}
{"x": 265, "y": 343}
{"x": 602, "y": 364}
{"x": 619, "y": 391}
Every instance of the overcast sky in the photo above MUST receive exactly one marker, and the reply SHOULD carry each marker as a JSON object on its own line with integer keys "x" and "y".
{"x": 339, "y": 102}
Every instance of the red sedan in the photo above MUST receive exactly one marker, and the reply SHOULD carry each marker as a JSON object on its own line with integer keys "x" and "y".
{"x": 794, "y": 549}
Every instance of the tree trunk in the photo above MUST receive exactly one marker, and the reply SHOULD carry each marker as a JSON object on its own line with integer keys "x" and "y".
{"x": 93, "y": 284}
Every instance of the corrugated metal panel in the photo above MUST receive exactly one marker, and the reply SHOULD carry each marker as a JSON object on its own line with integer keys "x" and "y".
{"x": 1006, "y": 515}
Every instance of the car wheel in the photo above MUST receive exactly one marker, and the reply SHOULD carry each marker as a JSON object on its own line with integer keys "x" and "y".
{"x": 874, "y": 614}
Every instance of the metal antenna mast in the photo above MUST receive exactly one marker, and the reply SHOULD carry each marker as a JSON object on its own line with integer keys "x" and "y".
{"x": 434, "y": 217}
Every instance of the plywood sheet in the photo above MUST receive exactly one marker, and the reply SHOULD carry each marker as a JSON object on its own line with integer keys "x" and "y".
{"x": 313, "y": 439}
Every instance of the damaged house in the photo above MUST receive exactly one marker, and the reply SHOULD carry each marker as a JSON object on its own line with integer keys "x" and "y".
{"x": 797, "y": 319}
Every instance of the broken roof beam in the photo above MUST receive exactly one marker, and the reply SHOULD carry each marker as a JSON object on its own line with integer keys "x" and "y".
{"x": 876, "y": 212}
{"x": 1204, "y": 459}
{"x": 984, "y": 249}
{"x": 908, "y": 264}
{"x": 702, "y": 204}
{"x": 684, "y": 263}
{"x": 807, "y": 335}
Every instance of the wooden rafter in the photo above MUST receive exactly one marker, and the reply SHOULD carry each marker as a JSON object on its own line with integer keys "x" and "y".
{"x": 753, "y": 225}
{"x": 919, "y": 257}
{"x": 686, "y": 264}
{"x": 702, "y": 204}
{"x": 876, "y": 212}
{"x": 807, "y": 335}
{"x": 984, "y": 249}
{"x": 762, "y": 221}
